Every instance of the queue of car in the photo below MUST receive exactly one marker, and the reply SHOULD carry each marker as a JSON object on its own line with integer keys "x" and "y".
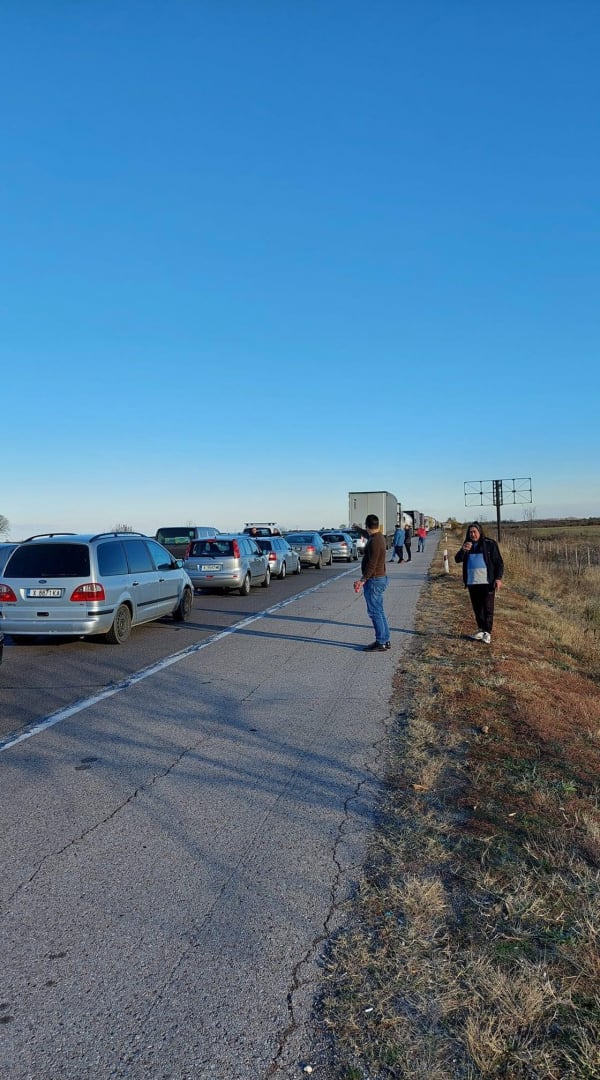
{"x": 104, "y": 584}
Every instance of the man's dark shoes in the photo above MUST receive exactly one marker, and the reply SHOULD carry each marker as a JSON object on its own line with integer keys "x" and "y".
{"x": 377, "y": 646}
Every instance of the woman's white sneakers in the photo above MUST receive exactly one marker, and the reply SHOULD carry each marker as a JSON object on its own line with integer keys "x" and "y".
{"x": 481, "y": 635}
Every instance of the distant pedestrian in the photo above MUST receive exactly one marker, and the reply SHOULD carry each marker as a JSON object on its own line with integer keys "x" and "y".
{"x": 373, "y": 583}
{"x": 421, "y": 533}
{"x": 483, "y": 570}
{"x": 408, "y": 542}
{"x": 398, "y": 544}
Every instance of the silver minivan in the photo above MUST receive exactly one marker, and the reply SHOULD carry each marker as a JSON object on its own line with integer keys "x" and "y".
{"x": 68, "y": 583}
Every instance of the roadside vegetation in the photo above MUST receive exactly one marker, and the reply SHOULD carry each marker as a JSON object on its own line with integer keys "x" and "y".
{"x": 472, "y": 946}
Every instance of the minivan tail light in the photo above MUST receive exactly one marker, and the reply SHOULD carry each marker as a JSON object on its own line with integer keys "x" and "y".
{"x": 236, "y": 549}
{"x": 272, "y": 556}
{"x": 88, "y": 592}
{"x": 7, "y": 596}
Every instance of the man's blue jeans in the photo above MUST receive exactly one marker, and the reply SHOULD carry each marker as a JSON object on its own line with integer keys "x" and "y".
{"x": 374, "y": 589}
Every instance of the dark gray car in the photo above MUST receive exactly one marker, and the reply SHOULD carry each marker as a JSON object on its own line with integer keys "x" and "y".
{"x": 178, "y": 539}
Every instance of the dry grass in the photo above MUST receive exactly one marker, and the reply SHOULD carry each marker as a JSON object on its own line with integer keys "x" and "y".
{"x": 473, "y": 944}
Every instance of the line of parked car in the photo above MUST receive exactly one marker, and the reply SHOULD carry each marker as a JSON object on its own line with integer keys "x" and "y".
{"x": 107, "y": 583}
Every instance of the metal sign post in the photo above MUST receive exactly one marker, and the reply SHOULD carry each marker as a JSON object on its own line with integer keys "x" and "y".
{"x": 496, "y": 493}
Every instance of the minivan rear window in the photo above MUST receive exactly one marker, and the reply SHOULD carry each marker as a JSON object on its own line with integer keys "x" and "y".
{"x": 49, "y": 561}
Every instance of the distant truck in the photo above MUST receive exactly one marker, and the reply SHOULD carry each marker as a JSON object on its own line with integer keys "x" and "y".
{"x": 417, "y": 519}
{"x": 382, "y": 503}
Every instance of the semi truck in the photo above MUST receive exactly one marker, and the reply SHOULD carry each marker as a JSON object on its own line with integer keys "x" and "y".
{"x": 382, "y": 503}
{"x": 417, "y": 519}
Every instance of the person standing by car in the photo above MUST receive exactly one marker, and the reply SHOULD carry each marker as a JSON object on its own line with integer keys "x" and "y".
{"x": 398, "y": 544}
{"x": 483, "y": 570}
{"x": 421, "y": 534}
{"x": 373, "y": 583}
{"x": 408, "y": 542}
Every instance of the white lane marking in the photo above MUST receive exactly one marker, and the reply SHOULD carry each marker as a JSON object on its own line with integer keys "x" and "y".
{"x": 145, "y": 673}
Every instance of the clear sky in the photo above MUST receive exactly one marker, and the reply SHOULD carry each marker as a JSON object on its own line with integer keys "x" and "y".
{"x": 257, "y": 253}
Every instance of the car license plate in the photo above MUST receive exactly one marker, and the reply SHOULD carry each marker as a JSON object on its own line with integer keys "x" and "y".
{"x": 211, "y": 566}
{"x": 45, "y": 594}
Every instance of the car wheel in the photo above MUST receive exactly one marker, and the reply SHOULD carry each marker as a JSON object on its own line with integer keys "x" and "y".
{"x": 319, "y": 564}
{"x": 298, "y": 569}
{"x": 121, "y": 627}
{"x": 184, "y": 607}
{"x": 245, "y": 586}
{"x": 267, "y": 580}
{"x": 283, "y": 571}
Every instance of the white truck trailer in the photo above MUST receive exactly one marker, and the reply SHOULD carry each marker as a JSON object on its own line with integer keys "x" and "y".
{"x": 382, "y": 503}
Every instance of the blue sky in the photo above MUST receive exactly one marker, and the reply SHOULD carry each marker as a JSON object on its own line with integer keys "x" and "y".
{"x": 259, "y": 253}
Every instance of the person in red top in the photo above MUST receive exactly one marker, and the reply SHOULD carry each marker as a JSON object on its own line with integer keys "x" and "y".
{"x": 421, "y": 533}
{"x": 373, "y": 583}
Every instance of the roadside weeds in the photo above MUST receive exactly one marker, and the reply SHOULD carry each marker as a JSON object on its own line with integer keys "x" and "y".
{"x": 472, "y": 946}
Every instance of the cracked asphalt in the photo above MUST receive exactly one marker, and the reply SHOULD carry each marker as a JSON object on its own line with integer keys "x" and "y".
{"x": 175, "y": 856}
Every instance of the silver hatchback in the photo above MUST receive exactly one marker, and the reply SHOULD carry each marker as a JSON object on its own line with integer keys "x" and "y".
{"x": 67, "y": 583}
{"x": 282, "y": 558}
{"x": 311, "y": 547}
{"x": 342, "y": 545}
{"x": 228, "y": 561}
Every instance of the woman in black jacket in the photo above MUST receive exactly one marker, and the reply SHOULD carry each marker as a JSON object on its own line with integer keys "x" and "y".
{"x": 483, "y": 570}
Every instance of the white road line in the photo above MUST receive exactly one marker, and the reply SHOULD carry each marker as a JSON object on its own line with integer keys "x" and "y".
{"x": 145, "y": 673}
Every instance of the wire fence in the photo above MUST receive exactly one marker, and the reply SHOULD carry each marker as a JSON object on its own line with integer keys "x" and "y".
{"x": 573, "y": 555}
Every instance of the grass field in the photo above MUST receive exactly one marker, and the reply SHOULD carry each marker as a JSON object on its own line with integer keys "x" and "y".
{"x": 472, "y": 946}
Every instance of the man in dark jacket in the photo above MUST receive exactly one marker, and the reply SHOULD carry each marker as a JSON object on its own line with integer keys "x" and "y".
{"x": 483, "y": 570}
{"x": 373, "y": 583}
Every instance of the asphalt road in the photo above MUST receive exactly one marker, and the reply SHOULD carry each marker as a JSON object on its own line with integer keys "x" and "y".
{"x": 41, "y": 676}
{"x": 177, "y": 849}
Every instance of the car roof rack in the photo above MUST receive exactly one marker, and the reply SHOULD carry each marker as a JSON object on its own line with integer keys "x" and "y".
{"x": 38, "y": 536}
{"x": 116, "y": 532}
